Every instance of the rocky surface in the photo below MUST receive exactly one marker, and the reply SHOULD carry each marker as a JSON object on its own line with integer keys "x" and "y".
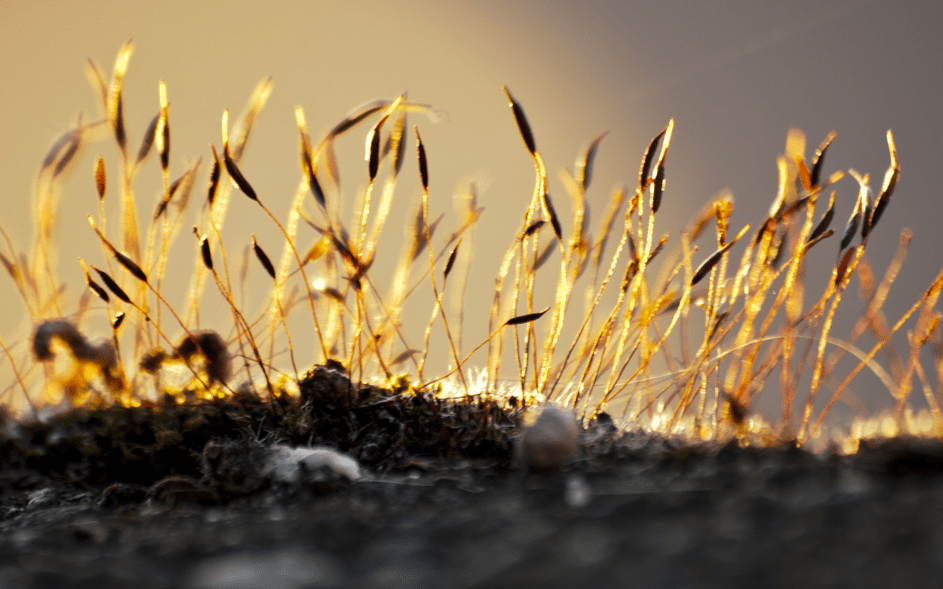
{"x": 644, "y": 512}
{"x": 190, "y": 497}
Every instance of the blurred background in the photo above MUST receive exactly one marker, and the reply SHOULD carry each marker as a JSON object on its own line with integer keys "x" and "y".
{"x": 735, "y": 75}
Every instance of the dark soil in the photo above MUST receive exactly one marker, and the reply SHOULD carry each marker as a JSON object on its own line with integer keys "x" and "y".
{"x": 128, "y": 498}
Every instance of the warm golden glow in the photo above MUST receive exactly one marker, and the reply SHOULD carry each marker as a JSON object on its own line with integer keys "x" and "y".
{"x": 618, "y": 336}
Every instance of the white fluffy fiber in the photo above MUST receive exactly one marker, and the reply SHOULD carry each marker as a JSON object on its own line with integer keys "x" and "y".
{"x": 285, "y": 463}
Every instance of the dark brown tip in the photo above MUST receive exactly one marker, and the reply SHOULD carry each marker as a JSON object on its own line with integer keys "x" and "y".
{"x": 237, "y": 176}
{"x": 165, "y": 143}
{"x": 423, "y": 164}
{"x": 344, "y": 250}
{"x": 825, "y": 221}
{"x": 819, "y": 159}
{"x": 842, "y": 267}
{"x": 148, "y": 142}
{"x": 205, "y": 252}
{"x": 584, "y": 166}
{"x": 263, "y": 258}
{"x": 214, "y": 178}
{"x": 544, "y": 255}
{"x": 66, "y": 139}
{"x": 706, "y": 266}
{"x": 71, "y": 149}
{"x": 891, "y": 177}
{"x": 709, "y": 263}
{"x": 163, "y": 140}
{"x": 522, "y": 125}
{"x": 527, "y": 318}
{"x": 851, "y": 227}
{"x": 552, "y": 215}
{"x": 98, "y": 290}
{"x": 825, "y": 234}
{"x": 131, "y": 266}
{"x": 112, "y": 285}
{"x": 100, "y": 177}
{"x": 315, "y": 186}
{"x": 451, "y": 261}
{"x": 117, "y": 121}
{"x": 373, "y": 152}
{"x": 659, "y": 188}
{"x": 648, "y": 159}
{"x": 533, "y": 227}
{"x": 403, "y": 356}
{"x": 171, "y": 191}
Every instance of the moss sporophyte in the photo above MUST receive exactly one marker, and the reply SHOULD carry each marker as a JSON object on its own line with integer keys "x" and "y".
{"x": 678, "y": 335}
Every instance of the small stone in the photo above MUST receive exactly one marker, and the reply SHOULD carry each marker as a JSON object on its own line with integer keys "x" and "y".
{"x": 552, "y": 441}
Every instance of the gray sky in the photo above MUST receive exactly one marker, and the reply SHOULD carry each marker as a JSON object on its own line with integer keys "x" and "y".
{"x": 735, "y": 75}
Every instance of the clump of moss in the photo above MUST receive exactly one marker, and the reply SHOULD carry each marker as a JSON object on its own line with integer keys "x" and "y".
{"x": 380, "y": 427}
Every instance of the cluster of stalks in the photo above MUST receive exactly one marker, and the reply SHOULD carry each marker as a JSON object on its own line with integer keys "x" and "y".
{"x": 718, "y": 324}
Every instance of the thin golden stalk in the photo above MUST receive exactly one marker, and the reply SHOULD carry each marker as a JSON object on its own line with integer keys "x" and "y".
{"x": 19, "y": 378}
{"x": 424, "y": 177}
{"x": 933, "y": 291}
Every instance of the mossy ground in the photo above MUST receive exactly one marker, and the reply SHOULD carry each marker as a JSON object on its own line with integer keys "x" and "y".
{"x": 636, "y": 508}
{"x": 381, "y": 428}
